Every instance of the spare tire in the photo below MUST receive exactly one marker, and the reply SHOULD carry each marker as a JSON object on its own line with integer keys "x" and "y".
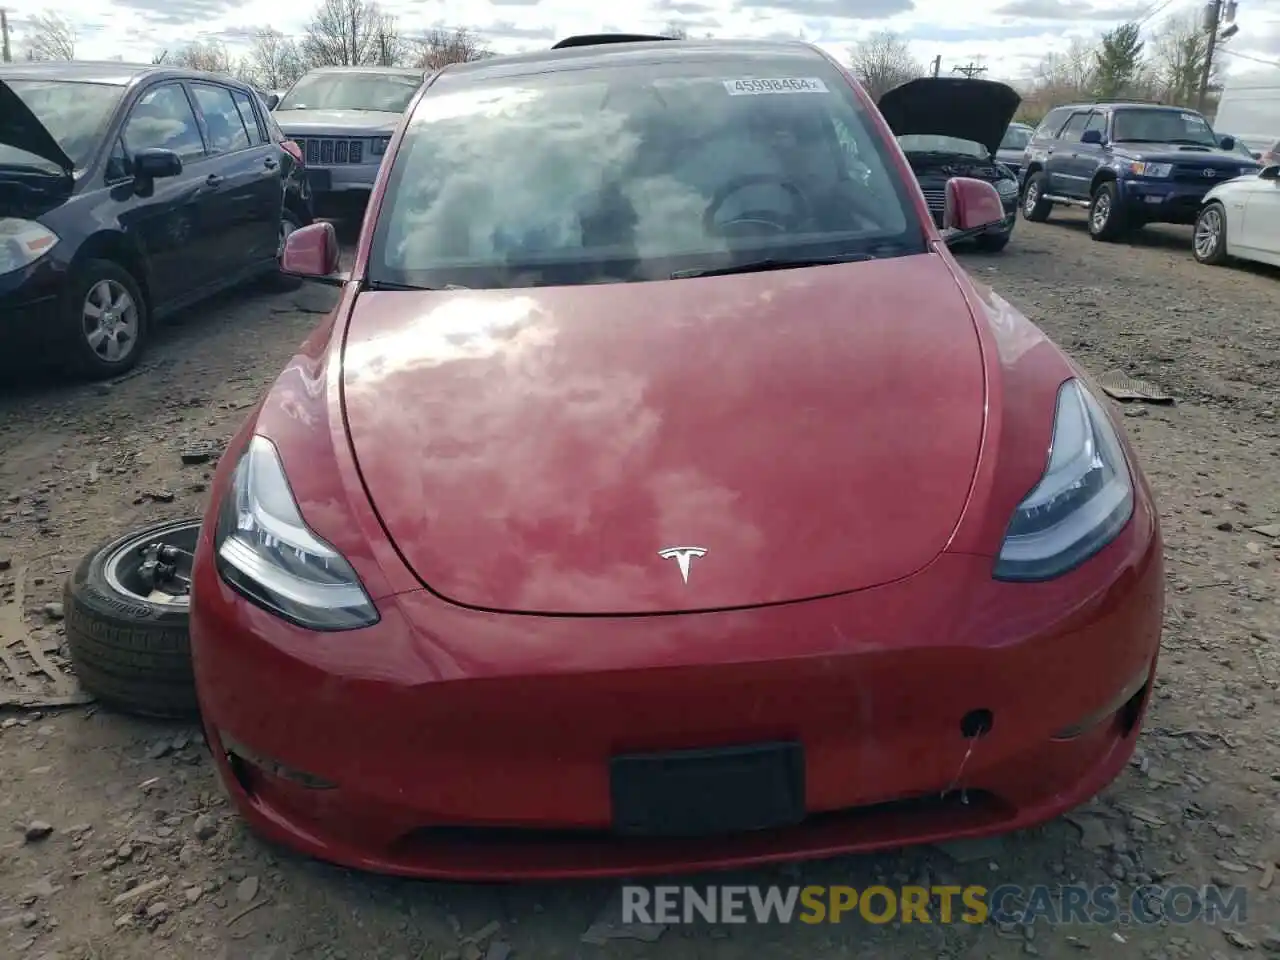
{"x": 127, "y": 605}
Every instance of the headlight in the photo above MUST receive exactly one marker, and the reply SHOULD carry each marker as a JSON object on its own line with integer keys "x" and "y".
{"x": 1080, "y": 504}
{"x": 1007, "y": 188}
{"x": 1151, "y": 169}
{"x": 379, "y": 145}
{"x": 23, "y": 242}
{"x": 265, "y": 551}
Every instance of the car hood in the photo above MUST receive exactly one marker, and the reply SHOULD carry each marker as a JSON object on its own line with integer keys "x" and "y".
{"x": 815, "y": 431}
{"x": 1010, "y": 156}
{"x": 977, "y": 110}
{"x": 1181, "y": 153}
{"x": 20, "y": 128}
{"x": 362, "y": 122}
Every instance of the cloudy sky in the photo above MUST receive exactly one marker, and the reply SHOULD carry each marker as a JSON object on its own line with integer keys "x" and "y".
{"x": 1008, "y": 36}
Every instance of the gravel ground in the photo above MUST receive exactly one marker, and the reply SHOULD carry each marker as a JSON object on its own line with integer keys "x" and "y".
{"x": 118, "y": 844}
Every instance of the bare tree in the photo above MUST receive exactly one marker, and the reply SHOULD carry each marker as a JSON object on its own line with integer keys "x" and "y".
{"x": 883, "y": 61}
{"x": 343, "y": 33}
{"x": 1178, "y": 56}
{"x": 160, "y": 58}
{"x": 389, "y": 48}
{"x": 674, "y": 30}
{"x": 209, "y": 56}
{"x": 50, "y": 37}
{"x": 275, "y": 59}
{"x": 441, "y": 47}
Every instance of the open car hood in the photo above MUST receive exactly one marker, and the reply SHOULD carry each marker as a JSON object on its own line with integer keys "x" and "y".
{"x": 977, "y": 110}
{"x": 19, "y": 128}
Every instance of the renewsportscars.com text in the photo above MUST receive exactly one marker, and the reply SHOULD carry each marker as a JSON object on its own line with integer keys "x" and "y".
{"x": 1060, "y": 904}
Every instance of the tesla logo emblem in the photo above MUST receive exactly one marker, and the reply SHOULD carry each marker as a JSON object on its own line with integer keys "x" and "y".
{"x": 683, "y": 556}
{"x": 1208, "y": 173}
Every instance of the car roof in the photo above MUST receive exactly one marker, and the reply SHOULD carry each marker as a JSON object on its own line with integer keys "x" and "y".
{"x": 609, "y": 53}
{"x": 1126, "y": 104}
{"x": 111, "y": 72}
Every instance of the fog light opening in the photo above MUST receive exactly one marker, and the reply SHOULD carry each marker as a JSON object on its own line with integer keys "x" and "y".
{"x": 1132, "y": 710}
{"x": 976, "y": 723}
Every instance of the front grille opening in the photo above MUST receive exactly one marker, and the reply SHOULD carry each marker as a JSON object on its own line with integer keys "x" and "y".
{"x": 330, "y": 150}
{"x": 906, "y": 818}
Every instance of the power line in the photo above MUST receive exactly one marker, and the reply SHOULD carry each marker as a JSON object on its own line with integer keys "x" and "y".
{"x": 1246, "y": 56}
{"x": 970, "y": 70}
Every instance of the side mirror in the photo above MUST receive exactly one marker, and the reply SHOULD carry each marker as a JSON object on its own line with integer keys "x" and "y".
{"x": 1256, "y": 154}
{"x": 1227, "y": 143}
{"x": 970, "y": 205}
{"x": 1270, "y": 173}
{"x": 1091, "y": 136}
{"x": 156, "y": 164}
{"x": 311, "y": 252}
{"x": 273, "y": 101}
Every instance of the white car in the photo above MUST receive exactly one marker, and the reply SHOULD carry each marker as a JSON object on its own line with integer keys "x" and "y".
{"x": 1241, "y": 218}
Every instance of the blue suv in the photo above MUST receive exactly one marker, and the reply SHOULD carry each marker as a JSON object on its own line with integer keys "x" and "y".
{"x": 1128, "y": 163}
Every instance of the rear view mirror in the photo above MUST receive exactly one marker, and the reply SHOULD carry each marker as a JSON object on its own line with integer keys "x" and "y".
{"x": 155, "y": 164}
{"x": 1091, "y": 136}
{"x": 312, "y": 253}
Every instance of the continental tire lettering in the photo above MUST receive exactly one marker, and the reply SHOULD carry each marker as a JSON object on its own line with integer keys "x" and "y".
{"x": 134, "y": 610}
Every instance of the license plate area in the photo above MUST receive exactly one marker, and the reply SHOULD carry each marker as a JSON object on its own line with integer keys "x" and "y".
{"x": 320, "y": 181}
{"x": 689, "y": 793}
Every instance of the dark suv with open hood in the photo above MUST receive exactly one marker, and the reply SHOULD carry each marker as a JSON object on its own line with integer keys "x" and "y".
{"x": 127, "y": 192}
{"x": 1127, "y": 163}
{"x": 952, "y": 127}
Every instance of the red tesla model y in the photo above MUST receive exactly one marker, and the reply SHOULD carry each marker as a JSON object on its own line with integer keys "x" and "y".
{"x": 661, "y": 494}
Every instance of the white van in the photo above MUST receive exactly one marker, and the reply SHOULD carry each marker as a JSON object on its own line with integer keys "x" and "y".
{"x": 1250, "y": 111}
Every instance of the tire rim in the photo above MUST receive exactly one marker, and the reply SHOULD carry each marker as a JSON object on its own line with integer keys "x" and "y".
{"x": 1033, "y": 196}
{"x": 287, "y": 227}
{"x": 1101, "y": 212}
{"x": 155, "y": 565}
{"x": 109, "y": 319}
{"x": 1208, "y": 233}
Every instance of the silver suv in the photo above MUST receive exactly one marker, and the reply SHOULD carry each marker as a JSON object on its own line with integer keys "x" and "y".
{"x": 342, "y": 118}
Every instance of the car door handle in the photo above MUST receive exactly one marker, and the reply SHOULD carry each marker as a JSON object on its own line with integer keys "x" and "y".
{"x": 212, "y": 180}
{"x": 270, "y": 164}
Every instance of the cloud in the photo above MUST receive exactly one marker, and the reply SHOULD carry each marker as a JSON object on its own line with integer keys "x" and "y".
{"x": 504, "y": 29}
{"x": 1070, "y": 10}
{"x": 515, "y": 3}
{"x": 182, "y": 12}
{"x": 832, "y": 9}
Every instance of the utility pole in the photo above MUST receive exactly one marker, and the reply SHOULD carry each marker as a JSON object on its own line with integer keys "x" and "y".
{"x": 937, "y": 64}
{"x": 4, "y": 31}
{"x": 1214, "y": 19}
{"x": 970, "y": 70}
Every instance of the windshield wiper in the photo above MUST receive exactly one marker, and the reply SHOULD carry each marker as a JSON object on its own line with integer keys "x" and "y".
{"x": 389, "y": 285}
{"x": 772, "y": 263}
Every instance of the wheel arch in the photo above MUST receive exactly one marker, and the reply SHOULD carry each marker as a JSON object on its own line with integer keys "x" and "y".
{"x": 1103, "y": 175}
{"x": 119, "y": 248}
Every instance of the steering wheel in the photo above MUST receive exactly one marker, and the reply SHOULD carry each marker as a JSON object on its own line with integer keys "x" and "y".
{"x": 766, "y": 218}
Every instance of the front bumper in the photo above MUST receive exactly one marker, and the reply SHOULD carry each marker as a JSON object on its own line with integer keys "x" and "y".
{"x": 453, "y": 743}
{"x": 1165, "y": 201}
{"x": 29, "y": 300}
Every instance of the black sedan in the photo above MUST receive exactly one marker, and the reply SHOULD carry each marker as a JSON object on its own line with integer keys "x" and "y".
{"x": 127, "y": 193}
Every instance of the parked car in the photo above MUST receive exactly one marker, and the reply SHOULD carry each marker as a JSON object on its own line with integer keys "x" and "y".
{"x": 1013, "y": 146}
{"x": 343, "y": 119}
{"x": 128, "y": 193}
{"x": 1128, "y": 163}
{"x": 1241, "y": 218}
{"x": 952, "y": 127}
{"x": 663, "y": 495}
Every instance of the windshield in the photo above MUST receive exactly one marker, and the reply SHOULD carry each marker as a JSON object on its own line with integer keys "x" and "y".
{"x": 1015, "y": 138}
{"x": 929, "y": 143}
{"x": 1162, "y": 126}
{"x": 636, "y": 172}
{"x": 74, "y": 113}
{"x": 388, "y": 92}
